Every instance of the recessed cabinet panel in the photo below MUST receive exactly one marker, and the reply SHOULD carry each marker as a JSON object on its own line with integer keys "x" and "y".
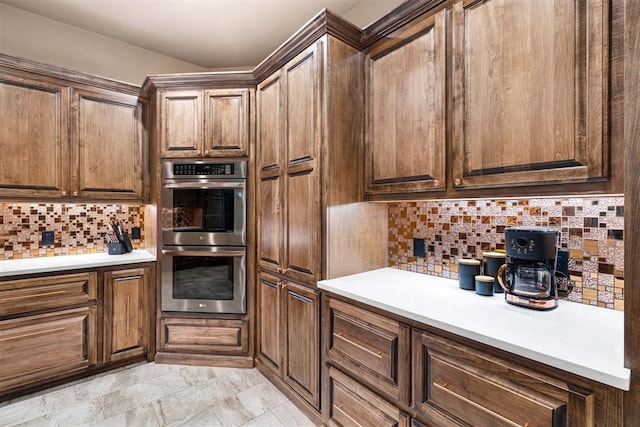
{"x": 33, "y": 138}
{"x": 218, "y": 336}
{"x": 303, "y": 250}
{"x": 303, "y": 100}
{"x": 302, "y": 359}
{"x": 227, "y": 122}
{"x": 269, "y": 124}
{"x": 270, "y": 223}
{"x": 530, "y": 91}
{"x": 270, "y": 330}
{"x": 181, "y": 123}
{"x": 107, "y": 146}
{"x": 28, "y": 343}
{"x": 406, "y": 98}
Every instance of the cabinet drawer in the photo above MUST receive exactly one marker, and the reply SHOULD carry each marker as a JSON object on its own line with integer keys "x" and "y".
{"x": 372, "y": 347}
{"x": 482, "y": 390}
{"x": 19, "y": 296}
{"x": 351, "y": 404}
{"x": 204, "y": 335}
{"x": 42, "y": 346}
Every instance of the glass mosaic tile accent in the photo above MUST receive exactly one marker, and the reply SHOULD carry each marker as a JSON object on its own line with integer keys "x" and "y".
{"x": 78, "y": 228}
{"x": 591, "y": 229}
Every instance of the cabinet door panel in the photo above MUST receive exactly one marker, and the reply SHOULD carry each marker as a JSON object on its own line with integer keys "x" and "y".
{"x": 126, "y": 318}
{"x": 530, "y": 91}
{"x": 269, "y": 123}
{"x": 227, "y": 122}
{"x": 302, "y": 245}
{"x": 181, "y": 123}
{"x": 270, "y": 223}
{"x": 42, "y": 346}
{"x": 219, "y": 336}
{"x": 33, "y": 138}
{"x": 406, "y": 94}
{"x": 270, "y": 343}
{"x": 302, "y": 360}
{"x": 107, "y": 146}
{"x": 302, "y": 82}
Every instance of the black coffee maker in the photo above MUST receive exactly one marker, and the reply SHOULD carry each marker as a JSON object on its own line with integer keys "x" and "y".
{"x": 528, "y": 276}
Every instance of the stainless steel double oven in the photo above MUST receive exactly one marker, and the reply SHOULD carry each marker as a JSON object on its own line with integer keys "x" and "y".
{"x": 204, "y": 220}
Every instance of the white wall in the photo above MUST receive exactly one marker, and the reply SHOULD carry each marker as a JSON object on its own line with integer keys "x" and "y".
{"x": 33, "y": 37}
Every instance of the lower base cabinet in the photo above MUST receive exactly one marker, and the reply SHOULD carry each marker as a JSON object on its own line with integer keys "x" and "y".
{"x": 352, "y": 404}
{"x": 450, "y": 381}
{"x": 289, "y": 334}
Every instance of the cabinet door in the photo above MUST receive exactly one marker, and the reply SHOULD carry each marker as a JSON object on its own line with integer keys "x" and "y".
{"x": 530, "y": 91}
{"x": 269, "y": 322}
{"x": 353, "y": 405}
{"x": 181, "y": 123}
{"x": 217, "y": 336}
{"x": 43, "y": 346}
{"x": 107, "y": 146}
{"x": 226, "y": 122}
{"x": 302, "y": 196}
{"x": 126, "y": 313}
{"x": 270, "y": 200}
{"x": 452, "y": 380}
{"x": 33, "y": 138}
{"x": 302, "y": 342}
{"x": 406, "y": 109}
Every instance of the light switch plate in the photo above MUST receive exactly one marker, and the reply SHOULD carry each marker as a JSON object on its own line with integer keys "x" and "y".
{"x": 48, "y": 238}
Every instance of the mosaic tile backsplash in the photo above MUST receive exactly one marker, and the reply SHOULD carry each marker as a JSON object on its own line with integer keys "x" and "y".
{"x": 591, "y": 229}
{"x": 78, "y": 228}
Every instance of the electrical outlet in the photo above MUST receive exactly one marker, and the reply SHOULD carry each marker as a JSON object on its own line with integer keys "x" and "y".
{"x": 418, "y": 248}
{"x": 135, "y": 233}
{"x": 48, "y": 238}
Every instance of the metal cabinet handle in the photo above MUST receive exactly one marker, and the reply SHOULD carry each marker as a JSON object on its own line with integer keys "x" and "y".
{"x": 122, "y": 279}
{"x": 271, "y": 285}
{"x": 377, "y": 354}
{"x": 300, "y": 297}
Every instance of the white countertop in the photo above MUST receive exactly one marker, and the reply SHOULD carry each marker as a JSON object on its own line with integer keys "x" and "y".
{"x": 577, "y": 338}
{"x": 15, "y": 267}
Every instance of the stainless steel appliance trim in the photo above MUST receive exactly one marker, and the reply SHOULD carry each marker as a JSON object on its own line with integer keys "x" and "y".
{"x": 240, "y": 169}
{"x": 202, "y": 183}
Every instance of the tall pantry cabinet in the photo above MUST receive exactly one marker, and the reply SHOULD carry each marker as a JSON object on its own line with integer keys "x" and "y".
{"x": 309, "y": 149}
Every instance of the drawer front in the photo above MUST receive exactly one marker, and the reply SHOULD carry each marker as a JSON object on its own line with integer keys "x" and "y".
{"x": 480, "y": 389}
{"x": 371, "y": 347}
{"x": 42, "y": 346}
{"x": 351, "y": 404}
{"x": 204, "y": 335}
{"x": 27, "y": 295}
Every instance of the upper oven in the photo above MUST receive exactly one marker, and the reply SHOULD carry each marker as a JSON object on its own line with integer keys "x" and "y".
{"x": 204, "y": 203}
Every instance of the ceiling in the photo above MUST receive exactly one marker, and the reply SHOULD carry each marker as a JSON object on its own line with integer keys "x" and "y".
{"x": 207, "y": 33}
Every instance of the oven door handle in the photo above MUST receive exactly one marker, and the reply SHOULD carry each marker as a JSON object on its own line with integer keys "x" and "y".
{"x": 197, "y": 184}
{"x": 213, "y": 252}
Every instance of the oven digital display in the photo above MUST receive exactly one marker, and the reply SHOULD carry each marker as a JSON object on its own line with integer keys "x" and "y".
{"x": 208, "y": 169}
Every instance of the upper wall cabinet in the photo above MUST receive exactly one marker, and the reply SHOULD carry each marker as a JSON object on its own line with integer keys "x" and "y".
{"x": 107, "y": 149}
{"x": 205, "y": 123}
{"x": 529, "y": 92}
{"x": 64, "y": 139}
{"x": 33, "y": 138}
{"x": 406, "y": 109}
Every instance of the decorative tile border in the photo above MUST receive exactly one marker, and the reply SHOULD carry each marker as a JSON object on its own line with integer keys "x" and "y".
{"x": 591, "y": 230}
{"x": 78, "y": 228}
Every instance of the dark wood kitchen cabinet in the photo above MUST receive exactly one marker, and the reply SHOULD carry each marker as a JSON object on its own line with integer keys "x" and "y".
{"x": 530, "y": 92}
{"x": 289, "y": 334}
{"x": 126, "y": 313}
{"x": 406, "y": 112}
{"x": 69, "y": 135}
{"x": 48, "y": 328}
{"x": 205, "y": 123}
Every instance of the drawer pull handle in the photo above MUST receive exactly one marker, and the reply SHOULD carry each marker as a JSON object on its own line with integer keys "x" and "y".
{"x": 377, "y": 354}
{"x": 38, "y": 295}
{"x": 339, "y": 408}
{"x": 300, "y": 297}
{"x": 34, "y": 334}
{"x": 122, "y": 279}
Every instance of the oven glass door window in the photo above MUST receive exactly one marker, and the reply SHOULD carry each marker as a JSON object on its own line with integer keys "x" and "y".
{"x": 203, "y": 278}
{"x": 203, "y": 210}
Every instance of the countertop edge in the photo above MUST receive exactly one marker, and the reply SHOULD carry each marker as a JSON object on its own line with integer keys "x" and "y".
{"x": 9, "y": 268}
{"x": 611, "y": 374}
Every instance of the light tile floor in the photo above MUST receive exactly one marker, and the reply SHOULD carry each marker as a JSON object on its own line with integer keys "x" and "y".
{"x": 158, "y": 395}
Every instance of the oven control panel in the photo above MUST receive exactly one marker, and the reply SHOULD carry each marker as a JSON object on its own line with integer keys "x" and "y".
{"x": 182, "y": 169}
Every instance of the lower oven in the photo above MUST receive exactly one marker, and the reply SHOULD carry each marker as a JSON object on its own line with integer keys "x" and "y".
{"x": 205, "y": 279}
